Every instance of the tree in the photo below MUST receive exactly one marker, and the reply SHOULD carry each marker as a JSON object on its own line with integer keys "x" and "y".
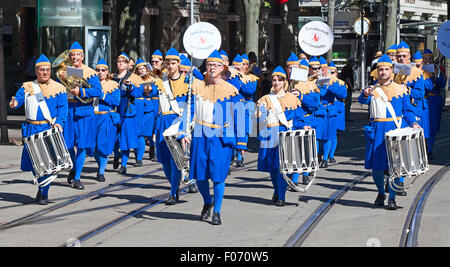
{"x": 252, "y": 8}
{"x": 391, "y": 23}
{"x": 129, "y": 14}
{"x": 3, "y": 111}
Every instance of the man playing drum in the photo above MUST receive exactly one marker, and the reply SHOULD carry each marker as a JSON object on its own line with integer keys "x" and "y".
{"x": 54, "y": 95}
{"x": 384, "y": 93}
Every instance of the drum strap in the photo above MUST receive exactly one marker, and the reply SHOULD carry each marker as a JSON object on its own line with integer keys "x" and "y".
{"x": 168, "y": 93}
{"x": 389, "y": 106}
{"x": 279, "y": 111}
{"x": 41, "y": 102}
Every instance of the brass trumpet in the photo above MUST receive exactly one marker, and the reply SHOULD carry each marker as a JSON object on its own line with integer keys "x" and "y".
{"x": 400, "y": 77}
{"x": 70, "y": 82}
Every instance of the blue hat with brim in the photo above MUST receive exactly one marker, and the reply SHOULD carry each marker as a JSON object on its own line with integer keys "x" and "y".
{"x": 323, "y": 62}
{"x": 238, "y": 60}
{"x": 223, "y": 54}
{"x": 384, "y": 60}
{"x": 279, "y": 71}
{"x": 292, "y": 60}
{"x": 185, "y": 63}
{"x": 124, "y": 56}
{"x": 42, "y": 61}
{"x": 417, "y": 57}
{"x": 102, "y": 63}
{"x": 140, "y": 62}
{"x": 157, "y": 54}
{"x": 332, "y": 66}
{"x": 314, "y": 61}
{"x": 215, "y": 57}
{"x": 403, "y": 47}
{"x": 245, "y": 58}
{"x": 304, "y": 64}
{"x": 392, "y": 49}
{"x": 173, "y": 54}
{"x": 76, "y": 47}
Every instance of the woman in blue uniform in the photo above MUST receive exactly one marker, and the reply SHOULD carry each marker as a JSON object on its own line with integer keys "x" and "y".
{"x": 107, "y": 119}
{"x": 291, "y": 118}
{"x": 54, "y": 95}
{"x": 382, "y": 122}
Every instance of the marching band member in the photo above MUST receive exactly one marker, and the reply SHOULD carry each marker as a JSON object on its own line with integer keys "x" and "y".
{"x": 157, "y": 59}
{"x": 151, "y": 106}
{"x": 216, "y": 133}
{"x": 392, "y": 53}
{"x": 185, "y": 68}
{"x": 309, "y": 95}
{"x": 145, "y": 109}
{"x": 340, "y": 108}
{"x": 224, "y": 55}
{"x": 169, "y": 113}
{"x": 433, "y": 101}
{"x": 281, "y": 111}
{"x": 383, "y": 121}
{"x": 106, "y": 118}
{"x": 55, "y": 98}
{"x": 130, "y": 86}
{"x": 291, "y": 62}
{"x": 328, "y": 94}
{"x": 82, "y": 123}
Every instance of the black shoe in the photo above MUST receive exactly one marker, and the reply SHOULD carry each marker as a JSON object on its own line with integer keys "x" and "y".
{"x": 324, "y": 164}
{"x": 123, "y": 170}
{"x": 77, "y": 185}
{"x": 138, "y": 163}
{"x": 151, "y": 153}
{"x": 172, "y": 200}
{"x": 116, "y": 163}
{"x": 206, "y": 211}
{"x": 392, "y": 205}
{"x": 239, "y": 164}
{"x": 192, "y": 189}
{"x": 305, "y": 179}
{"x": 331, "y": 160}
{"x": 379, "y": 201}
{"x": 274, "y": 198}
{"x": 42, "y": 200}
{"x": 100, "y": 177}
{"x": 71, "y": 176}
{"x": 216, "y": 219}
{"x": 280, "y": 203}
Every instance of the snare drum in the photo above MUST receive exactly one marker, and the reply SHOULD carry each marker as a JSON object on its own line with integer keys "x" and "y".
{"x": 298, "y": 154}
{"x": 407, "y": 155}
{"x": 48, "y": 153}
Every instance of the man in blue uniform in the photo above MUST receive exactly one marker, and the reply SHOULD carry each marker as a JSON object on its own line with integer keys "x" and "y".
{"x": 54, "y": 95}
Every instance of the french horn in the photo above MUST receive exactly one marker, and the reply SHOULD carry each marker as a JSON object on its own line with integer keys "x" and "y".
{"x": 70, "y": 82}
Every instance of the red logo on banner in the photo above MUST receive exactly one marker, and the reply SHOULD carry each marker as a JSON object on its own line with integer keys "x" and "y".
{"x": 281, "y": 1}
{"x": 202, "y": 40}
{"x": 315, "y": 37}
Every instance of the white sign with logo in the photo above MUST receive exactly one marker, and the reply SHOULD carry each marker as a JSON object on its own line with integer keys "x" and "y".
{"x": 443, "y": 39}
{"x": 316, "y": 38}
{"x": 200, "y": 40}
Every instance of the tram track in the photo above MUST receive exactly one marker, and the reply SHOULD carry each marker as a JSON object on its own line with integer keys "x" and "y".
{"x": 411, "y": 227}
{"x": 150, "y": 203}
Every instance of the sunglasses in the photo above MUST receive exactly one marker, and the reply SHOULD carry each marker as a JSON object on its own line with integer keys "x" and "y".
{"x": 101, "y": 70}
{"x": 315, "y": 68}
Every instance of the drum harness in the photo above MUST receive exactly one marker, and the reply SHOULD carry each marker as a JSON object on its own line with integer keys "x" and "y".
{"x": 39, "y": 98}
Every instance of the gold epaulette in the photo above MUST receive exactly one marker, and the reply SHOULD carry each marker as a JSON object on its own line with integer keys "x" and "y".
{"x": 306, "y": 87}
{"x": 135, "y": 80}
{"x": 252, "y": 77}
{"x": 287, "y": 102}
{"x": 234, "y": 72}
{"x": 213, "y": 93}
{"x": 50, "y": 89}
{"x": 88, "y": 72}
{"x": 109, "y": 86}
{"x": 414, "y": 76}
{"x": 392, "y": 90}
{"x": 427, "y": 75}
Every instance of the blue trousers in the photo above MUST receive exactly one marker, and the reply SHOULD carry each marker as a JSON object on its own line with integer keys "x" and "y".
{"x": 219, "y": 190}
{"x": 141, "y": 148}
{"x": 379, "y": 177}
{"x": 102, "y": 161}
{"x": 279, "y": 184}
{"x": 173, "y": 175}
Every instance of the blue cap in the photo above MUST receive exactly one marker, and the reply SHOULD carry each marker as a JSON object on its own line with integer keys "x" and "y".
{"x": 392, "y": 49}
{"x": 428, "y": 52}
{"x": 292, "y": 60}
{"x": 314, "y": 61}
{"x": 76, "y": 47}
{"x": 417, "y": 57}
{"x": 332, "y": 66}
{"x": 238, "y": 60}
{"x": 140, "y": 62}
{"x": 403, "y": 47}
{"x": 102, "y": 63}
{"x": 185, "y": 62}
{"x": 215, "y": 57}
{"x": 304, "y": 64}
{"x": 157, "y": 54}
{"x": 124, "y": 56}
{"x": 384, "y": 60}
{"x": 41, "y": 61}
{"x": 279, "y": 71}
{"x": 323, "y": 62}
{"x": 245, "y": 58}
{"x": 173, "y": 54}
{"x": 223, "y": 54}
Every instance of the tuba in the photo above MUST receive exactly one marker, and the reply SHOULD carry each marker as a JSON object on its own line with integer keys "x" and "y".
{"x": 69, "y": 81}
